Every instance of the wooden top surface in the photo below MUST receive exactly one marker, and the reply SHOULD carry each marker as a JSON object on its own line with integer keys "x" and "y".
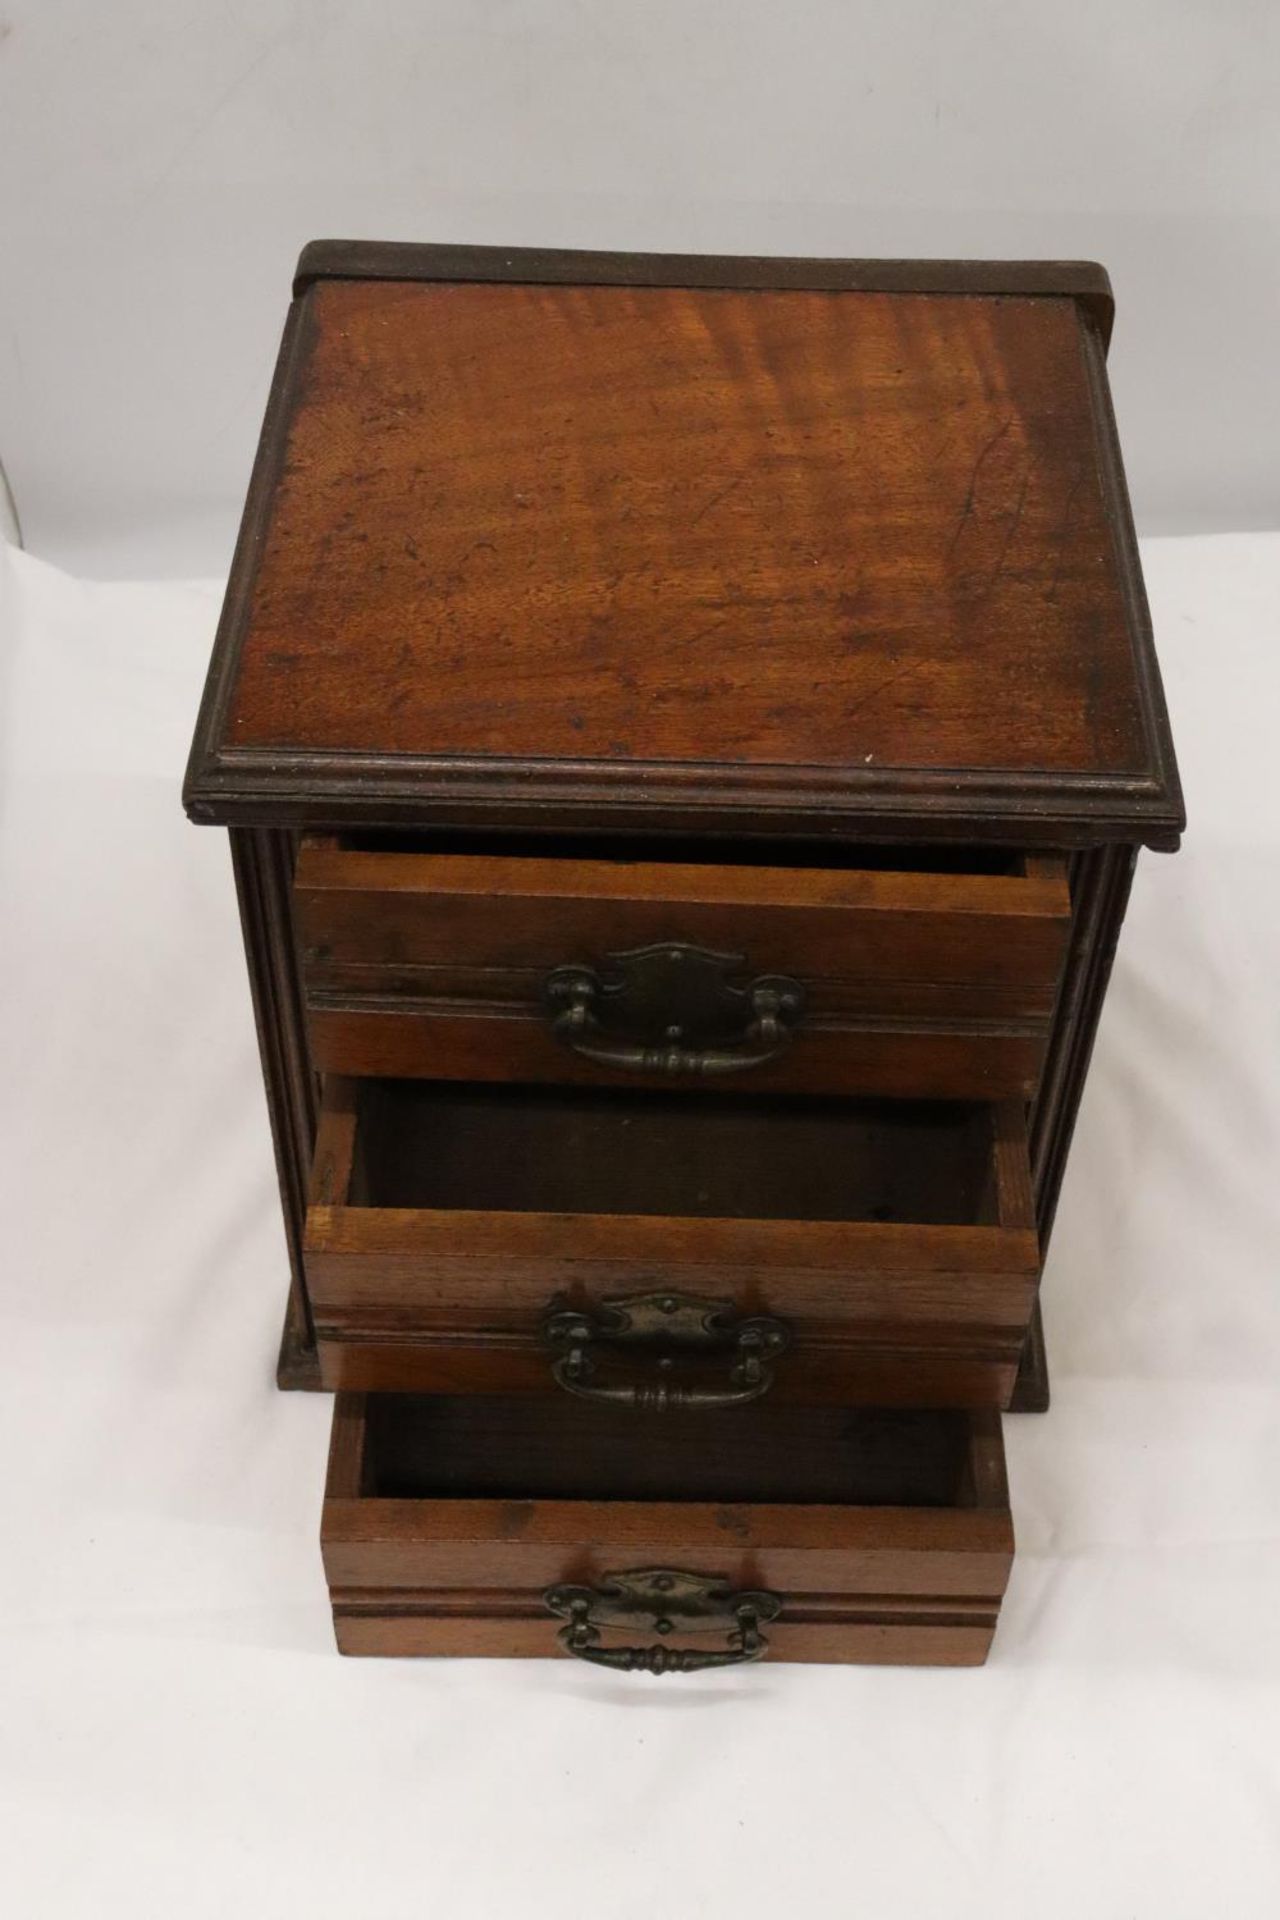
{"x": 788, "y": 558}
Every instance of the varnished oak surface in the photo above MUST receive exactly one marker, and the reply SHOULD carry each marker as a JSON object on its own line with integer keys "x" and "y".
{"x": 555, "y": 553}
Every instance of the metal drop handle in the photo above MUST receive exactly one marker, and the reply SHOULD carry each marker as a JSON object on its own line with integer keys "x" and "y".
{"x": 582, "y": 1639}
{"x": 668, "y": 1600}
{"x": 665, "y": 1328}
{"x": 672, "y": 1009}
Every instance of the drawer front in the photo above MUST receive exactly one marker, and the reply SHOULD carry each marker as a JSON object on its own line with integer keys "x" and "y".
{"x": 912, "y": 984}
{"x": 883, "y": 1539}
{"x": 640, "y": 1308}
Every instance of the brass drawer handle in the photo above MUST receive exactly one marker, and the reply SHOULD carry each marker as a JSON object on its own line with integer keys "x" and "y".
{"x": 666, "y": 1600}
{"x": 669, "y": 1326}
{"x": 673, "y": 1009}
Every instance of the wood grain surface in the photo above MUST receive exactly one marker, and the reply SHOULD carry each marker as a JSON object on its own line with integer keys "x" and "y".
{"x": 556, "y": 554}
{"x": 672, "y": 524}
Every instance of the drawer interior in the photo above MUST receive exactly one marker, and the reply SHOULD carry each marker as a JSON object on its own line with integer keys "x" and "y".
{"x": 554, "y": 1150}
{"x": 423, "y": 1447}
{"x": 867, "y": 856}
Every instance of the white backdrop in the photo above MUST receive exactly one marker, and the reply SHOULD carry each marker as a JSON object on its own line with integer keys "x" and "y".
{"x": 162, "y": 161}
{"x": 178, "y": 1736}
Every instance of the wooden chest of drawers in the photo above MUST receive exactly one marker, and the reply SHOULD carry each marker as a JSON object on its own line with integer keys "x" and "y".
{"x": 685, "y": 728}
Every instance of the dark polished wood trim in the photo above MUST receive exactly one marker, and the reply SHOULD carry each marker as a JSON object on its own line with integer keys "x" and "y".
{"x": 1031, "y": 1388}
{"x": 228, "y": 639}
{"x": 263, "y": 864}
{"x": 1100, "y": 883}
{"x": 332, "y": 790}
{"x": 298, "y": 1362}
{"x": 1116, "y": 505}
{"x": 1081, "y": 280}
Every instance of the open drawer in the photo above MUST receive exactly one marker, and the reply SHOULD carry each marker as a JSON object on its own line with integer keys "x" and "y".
{"x": 480, "y": 1526}
{"x": 936, "y": 981}
{"x": 645, "y": 1250}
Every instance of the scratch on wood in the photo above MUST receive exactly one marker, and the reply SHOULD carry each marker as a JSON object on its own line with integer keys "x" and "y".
{"x": 1010, "y": 531}
{"x": 715, "y": 500}
{"x": 984, "y": 452}
{"x": 882, "y": 686}
{"x": 1060, "y": 537}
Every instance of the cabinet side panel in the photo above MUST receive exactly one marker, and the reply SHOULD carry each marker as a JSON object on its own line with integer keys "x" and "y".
{"x": 1100, "y": 881}
{"x": 263, "y": 862}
